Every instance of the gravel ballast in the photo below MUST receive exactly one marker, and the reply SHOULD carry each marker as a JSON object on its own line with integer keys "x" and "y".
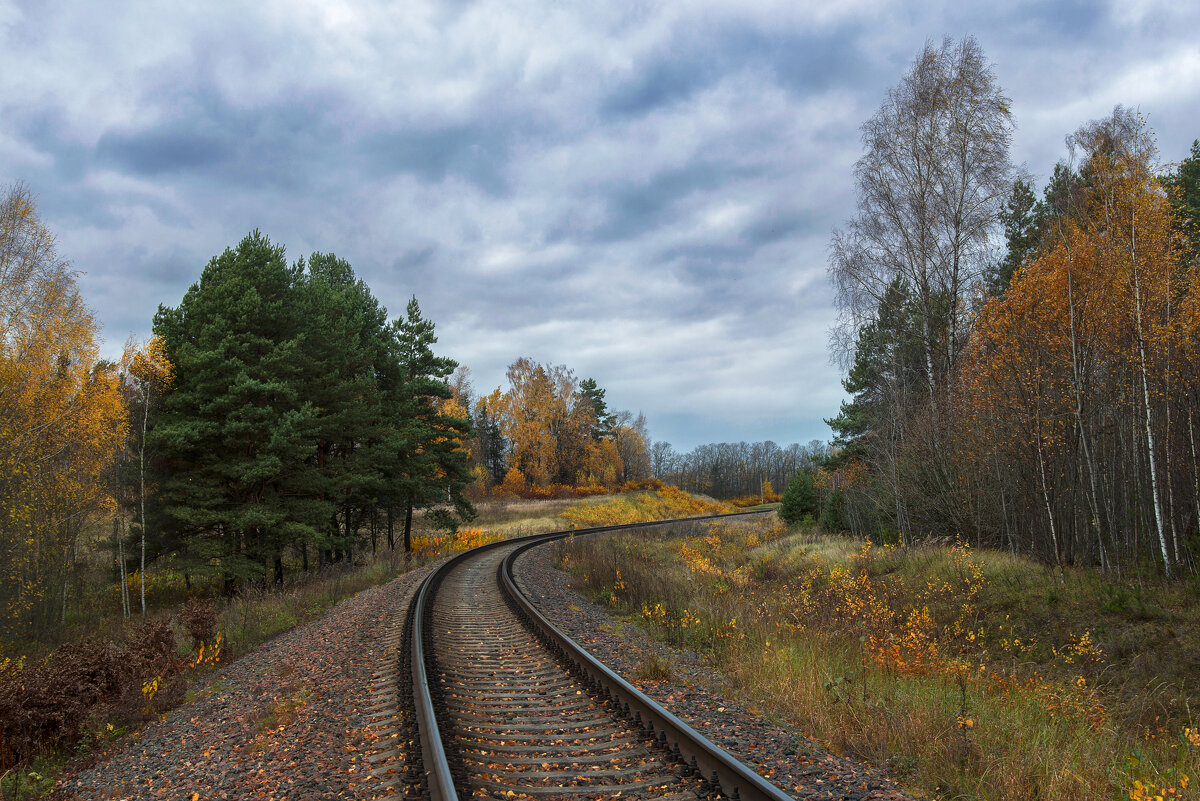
{"x": 290, "y": 720}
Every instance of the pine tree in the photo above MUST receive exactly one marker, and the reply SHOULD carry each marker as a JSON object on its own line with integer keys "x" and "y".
{"x": 1023, "y": 217}
{"x": 344, "y": 342}
{"x": 885, "y": 377}
{"x": 429, "y": 467}
{"x": 492, "y": 446}
{"x": 232, "y": 435}
{"x": 1186, "y": 184}
{"x": 832, "y": 518}
{"x": 593, "y": 396}
{"x": 799, "y": 500}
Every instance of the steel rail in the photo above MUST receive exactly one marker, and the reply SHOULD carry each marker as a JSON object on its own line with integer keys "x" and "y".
{"x": 693, "y": 749}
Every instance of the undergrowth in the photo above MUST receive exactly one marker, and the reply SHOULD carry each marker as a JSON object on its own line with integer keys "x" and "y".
{"x": 968, "y": 674}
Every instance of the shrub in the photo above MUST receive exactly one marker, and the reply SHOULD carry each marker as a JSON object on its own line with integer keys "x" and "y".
{"x": 149, "y": 652}
{"x": 831, "y": 515}
{"x": 45, "y": 706}
{"x": 199, "y": 618}
{"x": 663, "y": 504}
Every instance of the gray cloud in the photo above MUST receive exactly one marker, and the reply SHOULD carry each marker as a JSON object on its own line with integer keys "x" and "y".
{"x": 644, "y": 193}
{"x": 640, "y": 206}
{"x": 669, "y": 77}
{"x": 160, "y": 150}
{"x": 477, "y": 153}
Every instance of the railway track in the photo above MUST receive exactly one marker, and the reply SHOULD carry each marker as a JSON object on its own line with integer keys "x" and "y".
{"x": 503, "y": 705}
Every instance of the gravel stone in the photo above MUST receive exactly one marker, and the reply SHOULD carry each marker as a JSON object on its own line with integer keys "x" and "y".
{"x": 288, "y": 720}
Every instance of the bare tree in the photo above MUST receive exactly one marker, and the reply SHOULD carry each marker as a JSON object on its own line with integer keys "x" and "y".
{"x": 930, "y": 187}
{"x": 662, "y": 457}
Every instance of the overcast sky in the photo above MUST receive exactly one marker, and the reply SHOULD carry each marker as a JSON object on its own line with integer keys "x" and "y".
{"x": 641, "y": 191}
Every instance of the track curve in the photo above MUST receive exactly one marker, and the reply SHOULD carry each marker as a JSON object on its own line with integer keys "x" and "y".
{"x": 506, "y": 706}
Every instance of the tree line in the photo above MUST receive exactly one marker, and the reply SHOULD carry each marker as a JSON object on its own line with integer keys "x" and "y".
{"x": 277, "y": 420}
{"x": 735, "y": 469}
{"x": 62, "y": 416}
{"x": 1043, "y": 401}
{"x": 298, "y": 416}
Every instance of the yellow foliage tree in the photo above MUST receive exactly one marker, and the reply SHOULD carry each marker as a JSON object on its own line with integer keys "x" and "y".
{"x": 61, "y": 419}
{"x": 514, "y": 482}
{"x": 1085, "y": 367}
{"x": 601, "y": 464}
{"x": 531, "y": 412}
{"x": 559, "y": 432}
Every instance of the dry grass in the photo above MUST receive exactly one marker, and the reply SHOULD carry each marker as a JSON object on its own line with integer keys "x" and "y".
{"x": 500, "y": 512}
{"x": 968, "y": 674}
{"x": 639, "y": 507}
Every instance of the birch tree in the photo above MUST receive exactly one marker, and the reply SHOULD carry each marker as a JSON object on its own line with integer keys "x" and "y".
{"x": 931, "y": 187}
{"x": 61, "y": 420}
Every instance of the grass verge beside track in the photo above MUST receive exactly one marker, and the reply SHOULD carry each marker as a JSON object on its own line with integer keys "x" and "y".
{"x": 968, "y": 674}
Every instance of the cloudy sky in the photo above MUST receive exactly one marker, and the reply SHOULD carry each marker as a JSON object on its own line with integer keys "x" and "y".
{"x": 641, "y": 191}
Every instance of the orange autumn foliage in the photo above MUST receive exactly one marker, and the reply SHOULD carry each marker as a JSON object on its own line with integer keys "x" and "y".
{"x": 555, "y": 438}
{"x": 1083, "y": 362}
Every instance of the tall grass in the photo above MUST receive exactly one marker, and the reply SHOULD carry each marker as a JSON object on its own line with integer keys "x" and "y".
{"x": 967, "y": 674}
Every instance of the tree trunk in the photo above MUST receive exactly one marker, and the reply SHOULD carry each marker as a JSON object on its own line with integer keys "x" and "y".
{"x": 1169, "y": 448}
{"x": 121, "y": 565}
{"x": 1045, "y": 488}
{"x": 1084, "y": 440}
{"x": 408, "y": 512}
{"x": 142, "y": 497}
{"x": 62, "y": 617}
{"x": 1195, "y": 473}
{"x": 1141, "y": 343}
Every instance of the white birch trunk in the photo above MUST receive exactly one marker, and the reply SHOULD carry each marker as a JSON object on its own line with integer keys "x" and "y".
{"x": 1141, "y": 343}
{"x": 142, "y": 494}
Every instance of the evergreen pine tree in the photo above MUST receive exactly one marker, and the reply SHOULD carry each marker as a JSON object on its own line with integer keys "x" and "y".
{"x": 1186, "y": 183}
{"x": 799, "y": 499}
{"x": 232, "y": 432}
{"x": 492, "y": 446}
{"x": 344, "y": 330}
{"x": 430, "y": 467}
{"x": 885, "y": 377}
{"x": 591, "y": 394}
{"x": 832, "y": 519}
{"x": 1024, "y": 219}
